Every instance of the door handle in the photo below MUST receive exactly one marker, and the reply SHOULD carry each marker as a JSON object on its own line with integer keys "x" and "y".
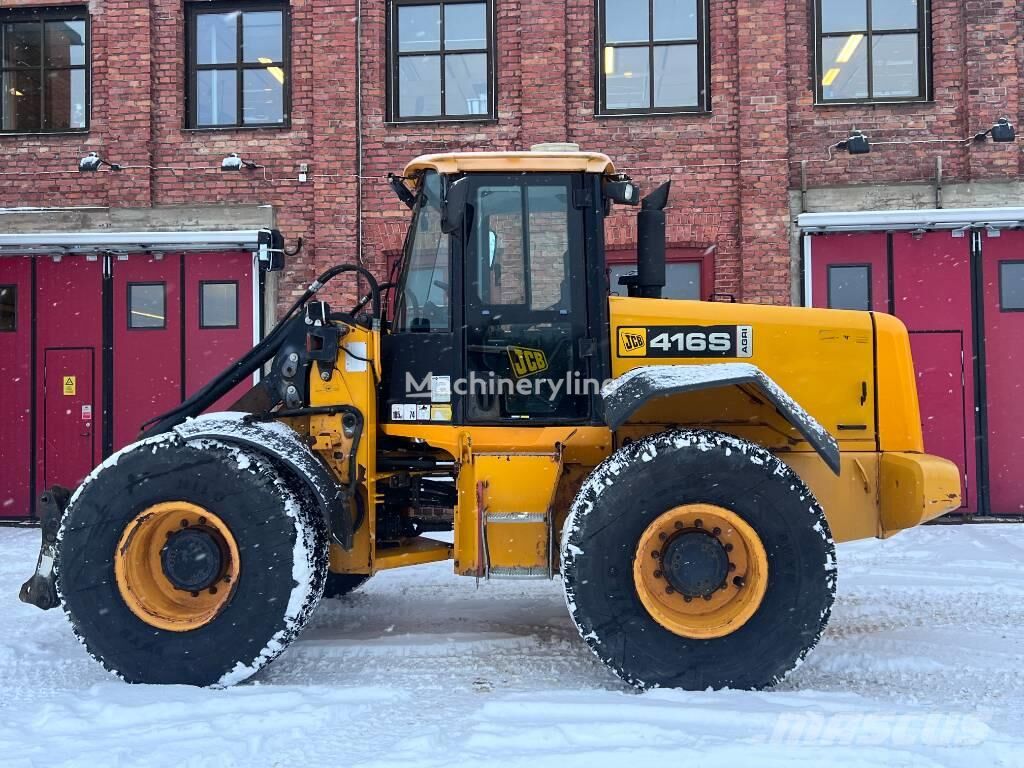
{"x": 863, "y": 392}
{"x": 87, "y": 429}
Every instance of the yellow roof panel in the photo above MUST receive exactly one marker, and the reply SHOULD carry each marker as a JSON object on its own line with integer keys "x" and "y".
{"x": 512, "y": 162}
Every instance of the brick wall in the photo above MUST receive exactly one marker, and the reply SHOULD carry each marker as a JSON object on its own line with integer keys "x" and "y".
{"x": 731, "y": 169}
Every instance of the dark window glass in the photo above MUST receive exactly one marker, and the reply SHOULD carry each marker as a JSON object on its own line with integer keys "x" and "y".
{"x": 872, "y": 50}
{"x": 147, "y": 304}
{"x": 441, "y": 58}
{"x": 218, "y": 305}
{"x": 238, "y": 65}
{"x": 682, "y": 279}
{"x": 652, "y": 56}
{"x": 8, "y": 308}
{"x": 43, "y": 70}
{"x": 1011, "y": 286}
{"x": 849, "y": 287}
{"x": 422, "y": 303}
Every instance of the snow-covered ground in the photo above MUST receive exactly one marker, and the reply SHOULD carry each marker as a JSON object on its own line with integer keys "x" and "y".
{"x": 922, "y": 665}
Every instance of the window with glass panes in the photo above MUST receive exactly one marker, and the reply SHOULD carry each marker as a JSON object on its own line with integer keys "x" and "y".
{"x": 44, "y": 70}
{"x": 872, "y": 50}
{"x": 652, "y": 56}
{"x": 441, "y": 60}
{"x": 238, "y": 65}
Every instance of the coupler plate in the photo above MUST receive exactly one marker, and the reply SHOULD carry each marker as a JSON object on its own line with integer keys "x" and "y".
{"x": 41, "y": 589}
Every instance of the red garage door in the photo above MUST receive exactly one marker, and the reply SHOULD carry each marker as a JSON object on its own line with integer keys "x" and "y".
{"x": 93, "y": 346}
{"x": 1002, "y": 316}
{"x": 925, "y": 280}
{"x": 961, "y": 295}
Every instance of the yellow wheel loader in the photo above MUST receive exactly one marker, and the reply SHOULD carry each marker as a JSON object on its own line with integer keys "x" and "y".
{"x": 686, "y": 467}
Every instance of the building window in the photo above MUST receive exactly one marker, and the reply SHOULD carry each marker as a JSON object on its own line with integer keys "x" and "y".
{"x": 8, "y": 308}
{"x": 652, "y": 56}
{"x": 689, "y": 273}
{"x": 442, "y": 60}
{"x": 147, "y": 304}
{"x": 44, "y": 70}
{"x": 238, "y": 65}
{"x": 872, "y": 50}
{"x": 849, "y": 287}
{"x": 1011, "y": 286}
{"x": 218, "y": 304}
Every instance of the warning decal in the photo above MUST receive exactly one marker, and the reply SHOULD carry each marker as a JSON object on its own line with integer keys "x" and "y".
{"x": 70, "y": 385}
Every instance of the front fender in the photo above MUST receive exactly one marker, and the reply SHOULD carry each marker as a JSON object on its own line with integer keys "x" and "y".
{"x": 279, "y": 443}
{"x": 623, "y": 396}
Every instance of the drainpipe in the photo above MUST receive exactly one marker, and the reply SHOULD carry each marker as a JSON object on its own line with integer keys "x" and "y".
{"x": 359, "y": 143}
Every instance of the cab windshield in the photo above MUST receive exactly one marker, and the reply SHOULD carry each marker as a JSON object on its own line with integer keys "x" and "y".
{"x": 423, "y": 304}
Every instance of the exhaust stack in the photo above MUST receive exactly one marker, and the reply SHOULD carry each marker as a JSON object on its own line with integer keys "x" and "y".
{"x": 649, "y": 279}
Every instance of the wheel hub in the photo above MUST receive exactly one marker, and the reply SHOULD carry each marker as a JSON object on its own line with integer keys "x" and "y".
{"x": 177, "y": 566}
{"x": 192, "y": 559}
{"x": 695, "y": 563}
{"x": 700, "y": 570}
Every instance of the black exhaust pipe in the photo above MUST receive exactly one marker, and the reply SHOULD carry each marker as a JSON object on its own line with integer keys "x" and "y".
{"x": 649, "y": 279}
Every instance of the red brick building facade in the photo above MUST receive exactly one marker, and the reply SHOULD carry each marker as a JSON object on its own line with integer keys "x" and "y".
{"x": 733, "y": 166}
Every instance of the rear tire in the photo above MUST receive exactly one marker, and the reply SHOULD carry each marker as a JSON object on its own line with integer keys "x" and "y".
{"x": 282, "y": 551}
{"x": 646, "y": 482}
{"x": 341, "y": 584}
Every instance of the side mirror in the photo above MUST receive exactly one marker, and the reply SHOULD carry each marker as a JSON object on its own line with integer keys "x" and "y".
{"x": 401, "y": 191}
{"x": 624, "y": 192}
{"x": 453, "y": 209}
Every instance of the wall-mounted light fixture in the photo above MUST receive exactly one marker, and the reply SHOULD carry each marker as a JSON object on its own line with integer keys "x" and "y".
{"x": 1002, "y": 132}
{"x": 92, "y": 162}
{"x": 235, "y": 163}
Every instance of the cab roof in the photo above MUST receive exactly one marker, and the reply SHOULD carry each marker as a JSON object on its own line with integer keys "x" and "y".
{"x": 513, "y": 162}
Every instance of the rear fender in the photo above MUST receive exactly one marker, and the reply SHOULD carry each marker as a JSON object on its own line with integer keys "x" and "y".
{"x": 623, "y": 396}
{"x": 283, "y": 445}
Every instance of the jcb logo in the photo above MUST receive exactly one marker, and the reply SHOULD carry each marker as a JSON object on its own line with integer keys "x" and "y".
{"x": 526, "y": 361}
{"x": 632, "y": 342}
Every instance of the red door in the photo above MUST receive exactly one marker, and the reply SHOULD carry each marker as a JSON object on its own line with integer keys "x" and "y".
{"x": 932, "y": 292}
{"x": 218, "y": 318}
{"x": 1003, "y": 318}
{"x": 69, "y": 340}
{"x": 16, "y": 378}
{"x": 147, "y": 363}
{"x": 68, "y": 416}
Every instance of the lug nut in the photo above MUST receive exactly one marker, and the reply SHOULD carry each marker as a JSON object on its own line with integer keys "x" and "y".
{"x": 662, "y": 536}
{"x": 656, "y": 555}
{"x": 195, "y": 594}
{"x": 738, "y": 581}
{"x": 657, "y": 574}
{"x": 184, "y": 523}
{"x": 213, "y": 590}
{"x": 687, "y": 598}
{"x": 717, "y": 531}
{"x": 698, "y": 523}
{"x": 679, "y": 526}
{"x": 669, "y": 591}
{"x": 202, "y": 521}
{"x": 227, "y": 579}
{"x": 707, "y": 597}
{"x": 728, "y": 547}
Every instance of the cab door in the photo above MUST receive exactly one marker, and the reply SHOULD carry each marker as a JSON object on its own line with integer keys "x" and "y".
{"x": 525, "y": 314}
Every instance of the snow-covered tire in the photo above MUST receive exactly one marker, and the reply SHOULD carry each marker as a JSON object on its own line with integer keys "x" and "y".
{"x": 341, "y": 584}
{"x": 639, "y": 484}
{"x": 282, "y": 546}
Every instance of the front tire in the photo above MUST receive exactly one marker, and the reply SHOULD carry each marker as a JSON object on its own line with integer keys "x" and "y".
{"x": 695, "y": 559}
{"x": 189, "y": 563}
